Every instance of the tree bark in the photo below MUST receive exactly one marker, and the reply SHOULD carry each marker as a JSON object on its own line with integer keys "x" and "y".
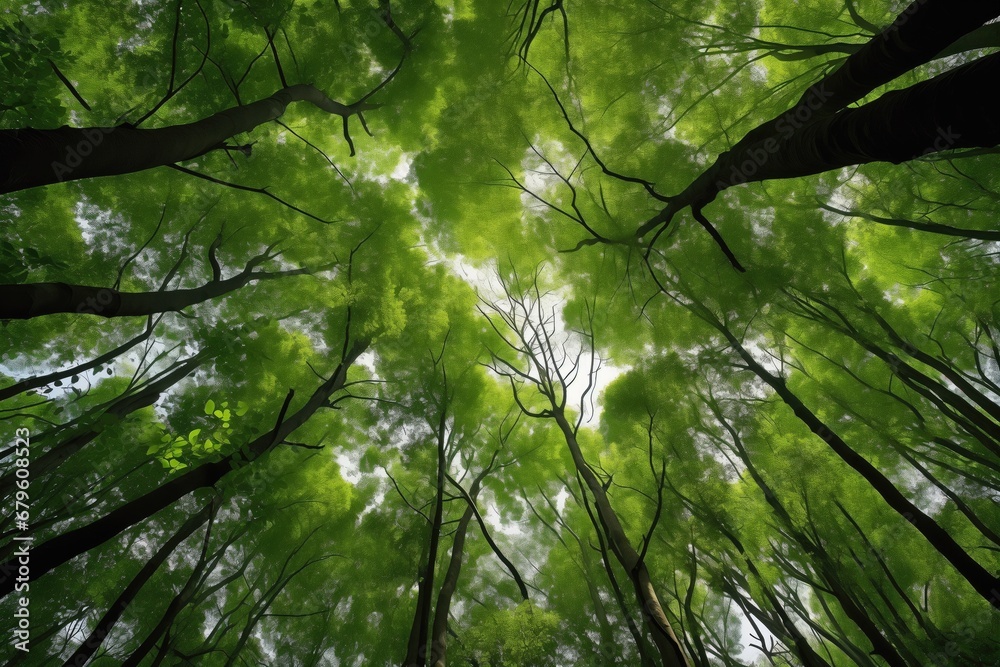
{"x": 31, "y": 157}
{"x": 439, "y": 628}
{"x": 978, "y": 577}
{"x": 818, "y": 134}
{"x": 947, "y": 112}
{"x": 418, "y": 650}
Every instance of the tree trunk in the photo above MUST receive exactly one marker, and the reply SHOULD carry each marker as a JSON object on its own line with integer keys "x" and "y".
{"x": 31, "y": 157}
{"x": 107, "y": 622}
{"x": 418, "y": 650}
{"x": 67, "y": 546}
{"x": 439, "y": 629}
{"x": 818, "y": 134}
{"x": 947, "y": 112}
{"x": 22, "y": 302}
{"x": 670, "y": 650}
{"x": 978, "y": 577}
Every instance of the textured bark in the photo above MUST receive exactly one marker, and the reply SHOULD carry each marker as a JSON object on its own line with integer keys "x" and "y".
{"x": 65, "y": 547}
{"x": 669, "y": 648}
{"x": 31, "y": 157}
{"x": 946, "y": 112}
{"x": 641, "y": 643}
{"x": 921, "y": 31}
{"x": 439, "y": 629}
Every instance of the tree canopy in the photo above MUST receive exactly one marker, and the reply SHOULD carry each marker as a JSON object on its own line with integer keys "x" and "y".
{"x": 525, "y": 334}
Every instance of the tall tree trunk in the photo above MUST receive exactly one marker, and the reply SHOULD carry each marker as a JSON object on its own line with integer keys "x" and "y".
{"x": 67, "y": 546}
{"x": 818, "y": 134}
{"x": 417, "y": 648}
{"x": 439, "y": 629}
{"x": 100, "y": 632}
{"x": 30, "y": 157}
{"x": 641, "y": 643}
{"x": 978, "y": 577}
{"x": 947, "y": 112}
{"x": 669, "y": 648}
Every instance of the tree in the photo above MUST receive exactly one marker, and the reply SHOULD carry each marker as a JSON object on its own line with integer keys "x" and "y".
{"x": 528, "y": 327}
{"x": 291, "y": 436}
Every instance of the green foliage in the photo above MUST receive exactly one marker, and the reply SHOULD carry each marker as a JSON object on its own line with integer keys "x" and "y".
{"x": 177, "y": 452}
{"x": 518, "y": 637}
{"x": 467, "y": 178}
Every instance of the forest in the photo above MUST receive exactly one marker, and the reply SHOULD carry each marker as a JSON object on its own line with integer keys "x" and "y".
{"x": 534, "y": 333}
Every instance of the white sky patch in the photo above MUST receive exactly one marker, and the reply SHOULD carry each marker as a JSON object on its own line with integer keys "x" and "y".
{"x": 87, "y": 226}
{"x": 402, "y": 170}
{"x": 349, "y": 468}
{"x": 762, "y": 222}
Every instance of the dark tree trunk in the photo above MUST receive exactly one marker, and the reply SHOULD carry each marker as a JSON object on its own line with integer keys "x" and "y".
{"x": 439, "y": 628}
{"x": 950, "y": 111}
{"x": 100, "y": 632}
{"x": 978, "y": 577}
{"x": 819, "y": 134}
{"x": 669, "y": 648}
{"x": 31, "y": 157}
{"x": 65, "y": 547}
{"x": 418, "y": 649}
{"x": 22, "y": 302}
